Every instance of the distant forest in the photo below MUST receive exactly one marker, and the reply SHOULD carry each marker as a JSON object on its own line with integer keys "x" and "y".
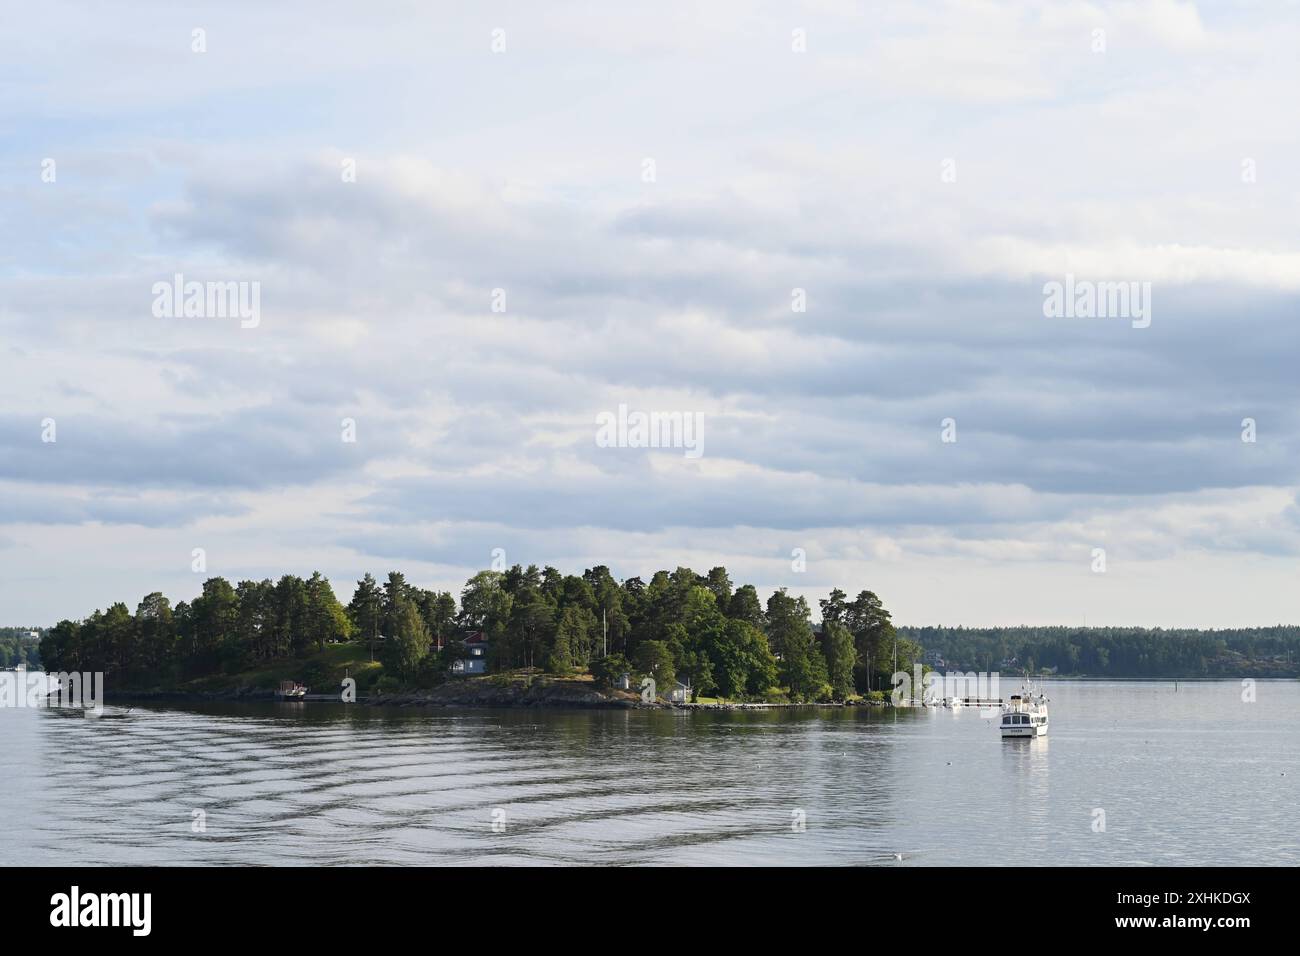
{"x": 1117, "y": 651}
{"x": 18, "y": 647}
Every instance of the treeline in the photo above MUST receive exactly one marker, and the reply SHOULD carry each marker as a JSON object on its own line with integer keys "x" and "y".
{"x": 1118, "y": 651}
{"x": 18, "y": 647}
{"x": 679, "y": 625}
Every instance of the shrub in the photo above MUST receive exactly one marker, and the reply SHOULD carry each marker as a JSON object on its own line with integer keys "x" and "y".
{"x": 607, "y": 670}
{"x": 775, "y": 695}
{"x": 387, "y": 684}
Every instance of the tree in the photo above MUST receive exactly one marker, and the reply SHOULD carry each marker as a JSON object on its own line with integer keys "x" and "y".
{"x": 61, "y": 648}
{"x": 719, "y": 583}
{"x": 485, "y": 604}
{"x": 874, "y": 638}
{"x": 529, "y": 629}
{"x": 183, "y": 617}
{"x": 841, "y": 658}
{"x": 327, "y": 621}
{"x": 438, "y": 608}
{"x": 254, "y": 621}
{"x": 609, "y": 608}
{"x": 834, "y": 608}
{"x": 609, "y": 669}
{"x": 743, "y": 664}
{"x": 560, "y": 658}
{"x": 407, "y": 646}
{"x": 215, "y": 613}
{"x": 396, "y": 591}
{"x": 655, "y": 660}
{"x": 693, "y": 640}
{"x": 287, "y": 616}
{"x": 788, "y": 628}
{"x": 572, "y": 641}
{"x": 745, "y": 606}
{"x": 366, "y": 610}
{"x": 802, "y": 667}
{"x": 156, "y": 626}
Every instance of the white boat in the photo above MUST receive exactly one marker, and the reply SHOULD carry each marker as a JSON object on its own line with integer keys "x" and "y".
{"x": 1025, "y": 714}
{"x": 291, "y": 690}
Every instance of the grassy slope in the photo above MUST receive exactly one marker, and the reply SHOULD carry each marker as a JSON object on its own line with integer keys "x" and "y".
{"x": 322, "y": 671}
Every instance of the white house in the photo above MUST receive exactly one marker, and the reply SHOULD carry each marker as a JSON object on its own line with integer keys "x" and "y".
{"x": 680, "y": 694}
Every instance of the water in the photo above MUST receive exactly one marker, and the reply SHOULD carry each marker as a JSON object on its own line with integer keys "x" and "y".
{"x": 1188, "y": 777}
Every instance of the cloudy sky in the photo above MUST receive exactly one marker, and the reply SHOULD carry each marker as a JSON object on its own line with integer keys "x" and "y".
{"x": 648, "y": 186}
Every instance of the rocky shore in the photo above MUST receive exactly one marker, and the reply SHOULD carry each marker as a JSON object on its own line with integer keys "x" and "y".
{"x": 477, "y": 692}
{"x": 489, "y": 693}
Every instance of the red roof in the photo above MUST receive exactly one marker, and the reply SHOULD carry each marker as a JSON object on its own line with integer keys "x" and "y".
{"x": 478, "y": 637}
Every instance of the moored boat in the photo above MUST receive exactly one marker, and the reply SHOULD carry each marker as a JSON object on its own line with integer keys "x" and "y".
{"x": 291, "y": 690}
{"x": 1025, "y": 714}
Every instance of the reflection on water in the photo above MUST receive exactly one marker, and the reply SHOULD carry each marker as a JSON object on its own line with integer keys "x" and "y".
{"x": 1193, "y": 776}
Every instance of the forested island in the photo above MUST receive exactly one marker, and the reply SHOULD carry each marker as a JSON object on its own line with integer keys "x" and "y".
{"x": 696, "y": 633}
{"x": 717, "y": 640}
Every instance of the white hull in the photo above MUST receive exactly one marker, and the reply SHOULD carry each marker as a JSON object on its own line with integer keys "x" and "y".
{"x": 1035, "y": 730}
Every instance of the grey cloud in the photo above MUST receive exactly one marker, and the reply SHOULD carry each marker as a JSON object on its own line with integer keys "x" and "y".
{"x": 52, "y": 505}
{"x": 249, "y": 449}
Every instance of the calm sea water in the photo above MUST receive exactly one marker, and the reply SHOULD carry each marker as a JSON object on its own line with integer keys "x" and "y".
{"x": 1193, "y": 776}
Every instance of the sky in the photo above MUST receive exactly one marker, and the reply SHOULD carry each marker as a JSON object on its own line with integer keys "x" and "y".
{"x": 823, "y": 230}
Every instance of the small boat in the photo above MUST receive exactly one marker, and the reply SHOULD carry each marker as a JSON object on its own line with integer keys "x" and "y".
{"x": 1025, "y": 714}
{"x": 291, "y": 690}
